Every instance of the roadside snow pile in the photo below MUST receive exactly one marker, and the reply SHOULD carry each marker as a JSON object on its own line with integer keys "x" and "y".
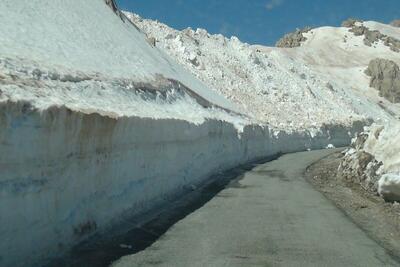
{"x": 160, "y": 98}
{"x": 385, "y": 77}
{"x": 389, "y": 187}
{"x": 374, "y": 160}
{"x": 270, "y": 87}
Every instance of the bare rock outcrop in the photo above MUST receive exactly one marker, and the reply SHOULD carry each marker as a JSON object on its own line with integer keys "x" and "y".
{"x": 293, "y": 39}
{"x": 372, "y": 37}
{"x": 112, "y": 5}
{"x": 393, "y": 43}
{"x": 395, "y": 23}
{"x": 359, "y": 166}
{"x": 385, "y": 77}
{"x": 350, "y": 22}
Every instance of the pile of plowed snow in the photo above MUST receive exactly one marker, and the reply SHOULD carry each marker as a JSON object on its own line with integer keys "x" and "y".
{"x": 374, "y": 160}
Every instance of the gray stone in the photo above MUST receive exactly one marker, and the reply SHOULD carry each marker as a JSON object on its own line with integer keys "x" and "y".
{"x": 395, "y": 23}
{"x": 330, "y": 87}
{"x": 293, "y": 39}
{"x": 385, "y": 77}
{"x": 112, "y": 5}
{"x": 393, "y": 43}
{"x": 372, "y": 37}
{"x": 151, "y": 41}
{"x": 360, "y": 167}
{"x": 350, "y": 22}
{"x": 358, "y": 30}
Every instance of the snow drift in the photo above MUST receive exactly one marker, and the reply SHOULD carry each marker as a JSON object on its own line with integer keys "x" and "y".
{"x": 374, "y": 160}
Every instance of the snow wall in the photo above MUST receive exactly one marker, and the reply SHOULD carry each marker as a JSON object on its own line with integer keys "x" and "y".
{"x": 65, "y": 175}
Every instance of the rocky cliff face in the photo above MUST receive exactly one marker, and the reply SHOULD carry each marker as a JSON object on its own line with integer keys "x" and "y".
{"x": 385, "y": 77}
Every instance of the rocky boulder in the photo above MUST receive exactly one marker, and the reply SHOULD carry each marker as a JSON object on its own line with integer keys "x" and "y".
{"x": 395, "y": 23}
{"x": 371, "y": 37}
{"x": 350, "y": 22}
{"x": 385, "y": 77}
{"x": 293, "y": 39}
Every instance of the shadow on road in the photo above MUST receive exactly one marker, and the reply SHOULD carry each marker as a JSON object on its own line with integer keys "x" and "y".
{"x": 102, "y": 250}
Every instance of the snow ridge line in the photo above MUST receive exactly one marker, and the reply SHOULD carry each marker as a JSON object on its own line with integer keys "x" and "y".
{"x": 160, "y": 84}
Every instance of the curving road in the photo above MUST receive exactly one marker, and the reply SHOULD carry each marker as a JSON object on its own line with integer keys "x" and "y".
{"x": 269, "y": 217}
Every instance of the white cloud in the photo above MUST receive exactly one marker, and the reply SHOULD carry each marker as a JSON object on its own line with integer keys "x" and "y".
{"x": 273, "y": 4}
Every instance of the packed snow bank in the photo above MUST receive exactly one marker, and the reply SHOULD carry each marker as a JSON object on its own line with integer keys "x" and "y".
{"x": 389, "y": 187}
{"x": 87, "y": 36}
{"x": 395, "y": 23}
{"x": 67, "y": 174}
{"x": 374, "y": 160}
{"x": 384, "y": 143}
{"x": 161, "y": 98}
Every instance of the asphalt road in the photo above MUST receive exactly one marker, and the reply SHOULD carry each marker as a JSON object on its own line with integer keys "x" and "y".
{"x": 268, "y": 217}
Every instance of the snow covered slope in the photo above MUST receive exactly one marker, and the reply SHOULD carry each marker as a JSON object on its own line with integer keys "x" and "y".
{"x": 86, "y": 36}
{"x": 339, "y": 56}
{"x": 270, "y": 87}
{"x": 321, "y": 81}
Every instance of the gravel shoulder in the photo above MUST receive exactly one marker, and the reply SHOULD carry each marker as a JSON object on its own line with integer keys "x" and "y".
{"x": 378, "y": 219}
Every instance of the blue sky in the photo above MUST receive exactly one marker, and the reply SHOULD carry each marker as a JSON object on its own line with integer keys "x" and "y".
{"x": 260, "y": 21}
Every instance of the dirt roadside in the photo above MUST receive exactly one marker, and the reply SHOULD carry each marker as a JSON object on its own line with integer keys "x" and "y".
{"x": 380, "y": 220}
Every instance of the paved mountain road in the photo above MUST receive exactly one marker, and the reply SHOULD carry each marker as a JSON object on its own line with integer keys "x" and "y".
{"x": 268, "y": 217}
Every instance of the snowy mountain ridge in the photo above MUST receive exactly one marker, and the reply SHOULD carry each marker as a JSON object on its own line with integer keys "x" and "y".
{"x": 320, "y": 82}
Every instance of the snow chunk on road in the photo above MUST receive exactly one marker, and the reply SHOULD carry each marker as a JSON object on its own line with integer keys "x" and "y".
{"x": 389, "y": 187}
